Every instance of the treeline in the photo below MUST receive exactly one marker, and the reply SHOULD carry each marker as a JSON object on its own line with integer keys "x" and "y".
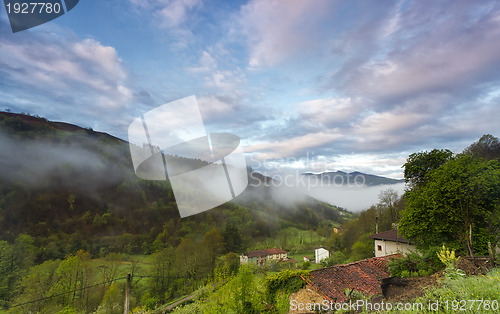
{"x": 454, "y": 199}
{"x": 451, "y": 199}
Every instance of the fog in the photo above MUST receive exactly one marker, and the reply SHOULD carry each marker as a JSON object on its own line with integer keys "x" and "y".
{"x": 76, "y": 161}
{"x": 354, "y": 198}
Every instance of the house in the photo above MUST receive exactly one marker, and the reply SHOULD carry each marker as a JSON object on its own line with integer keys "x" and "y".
{"x": 261, "y": 257}
{"x": 336, "y": 283}
{"x": 390, "y": 242}
{"x": 307, "y": 259}
{"x": 320, "y": 254}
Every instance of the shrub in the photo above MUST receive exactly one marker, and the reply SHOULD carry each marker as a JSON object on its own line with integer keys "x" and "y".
{"x": 335, "y": 259}
{"x": 416, "y": 264}
{"x": 287, "y": 281}
{"x": 405, "y": 273}
{"x": 306, "y": 265}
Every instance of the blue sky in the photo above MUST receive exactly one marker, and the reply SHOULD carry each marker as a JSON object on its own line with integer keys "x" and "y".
{"x": 349, "y": 85}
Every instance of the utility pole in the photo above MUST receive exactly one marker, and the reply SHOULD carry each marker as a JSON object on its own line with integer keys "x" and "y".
{"x": 127, "y": 294}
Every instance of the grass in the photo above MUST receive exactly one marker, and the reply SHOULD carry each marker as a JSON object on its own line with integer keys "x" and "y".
{"x": 292, "y": 238}
{"x": 474, "y": 294}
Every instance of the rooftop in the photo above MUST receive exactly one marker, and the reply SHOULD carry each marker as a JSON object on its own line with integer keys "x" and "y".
{"x": 363, "y": 276}
{"x": 391, "y": 235}
{"x": 265, "y": 252}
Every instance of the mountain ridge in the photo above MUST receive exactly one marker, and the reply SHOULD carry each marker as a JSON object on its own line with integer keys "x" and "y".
{"x": 356, "y": 177}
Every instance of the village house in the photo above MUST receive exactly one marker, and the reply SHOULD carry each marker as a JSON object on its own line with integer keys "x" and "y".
{"x": 320, "y": 254}
{"x": 390, "y": 242}
{"x": 261, "y": 257}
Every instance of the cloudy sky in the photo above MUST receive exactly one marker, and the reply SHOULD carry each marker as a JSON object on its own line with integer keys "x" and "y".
{"x": 315, "y": 85}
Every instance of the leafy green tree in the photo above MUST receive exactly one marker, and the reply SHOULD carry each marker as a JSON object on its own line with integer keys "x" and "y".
{"x": 15, "y": 261}
{"x": 213, "y": 245}
{"x": 7, "y": 274}
{"x": 37, "y": 285}
{"x": 488, "y": 147}
{"x": 418, "y": 165}
{"x": 362, "y": 248}
{"x": 73, "y": 274}
{"x": 188, "y": 258}
{"x": 232, "y": 239}
{"x": 246, "y": 298}
{"x": 112, "y": 301}
{"x": 162, "y": 271}
{"x": 458, "y": 205}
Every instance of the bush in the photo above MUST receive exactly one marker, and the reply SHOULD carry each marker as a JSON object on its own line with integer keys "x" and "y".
{"x": 305, "y": 265}
{"x": 335, "y": 259}
{"x": 417, "y": 265}
{"x": 287, "y": 281}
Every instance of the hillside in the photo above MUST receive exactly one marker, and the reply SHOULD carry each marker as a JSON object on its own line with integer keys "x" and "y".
{"x": 73, "y": 188}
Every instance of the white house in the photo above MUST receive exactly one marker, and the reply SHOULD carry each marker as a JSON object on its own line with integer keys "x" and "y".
{"x": 320, "y": 254}
{"x": 390, "y": 242}
{"x": 261, "y": 257}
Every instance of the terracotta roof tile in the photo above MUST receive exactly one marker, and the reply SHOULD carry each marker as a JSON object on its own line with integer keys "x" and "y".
{"x": 362, "y": 276}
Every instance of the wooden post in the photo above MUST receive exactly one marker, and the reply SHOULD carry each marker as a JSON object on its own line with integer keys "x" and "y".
{"x": 127, "y": 294}
{"x": 491, "y": 250}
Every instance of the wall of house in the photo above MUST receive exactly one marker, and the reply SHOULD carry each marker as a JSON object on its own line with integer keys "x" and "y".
{"x": 261, "y": 259}
{"x": 383, "y": 248}
{"x": 320, "y": 254}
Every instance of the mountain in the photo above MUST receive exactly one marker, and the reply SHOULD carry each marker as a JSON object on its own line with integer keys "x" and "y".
{"x": 72, "y": 188}
{"x": 352, "y": 178}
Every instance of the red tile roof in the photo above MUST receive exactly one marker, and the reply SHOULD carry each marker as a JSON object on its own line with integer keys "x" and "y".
{"x": 391, "y": 235}
{"x": 363, "y": 276}
{"x": 265, "y": 252}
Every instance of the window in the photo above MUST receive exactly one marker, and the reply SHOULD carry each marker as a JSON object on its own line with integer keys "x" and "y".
{"x": 379, "y": 248}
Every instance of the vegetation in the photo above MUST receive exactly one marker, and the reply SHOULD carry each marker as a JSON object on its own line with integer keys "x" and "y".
{"x": 414, "y": 264}
{"x": 474, "y": 294}
{"x": 456, "y": 203}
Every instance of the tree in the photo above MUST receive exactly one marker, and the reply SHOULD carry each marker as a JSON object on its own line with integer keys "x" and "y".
{"x": 388, "y": 201}
{"x": 232, "y": 239}
{"x": 458, "y": 205}
{"x": 36, "y": 285}
{"x": 418, "y": 165}
{"x": 213, "y": 244}
{"x": 188, "y": 258}
{"x": 488, "y": 147}
{"x": 162, "y": 271}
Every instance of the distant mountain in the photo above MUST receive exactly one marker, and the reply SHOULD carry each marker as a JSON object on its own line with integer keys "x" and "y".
{"x": 352, "y": 178}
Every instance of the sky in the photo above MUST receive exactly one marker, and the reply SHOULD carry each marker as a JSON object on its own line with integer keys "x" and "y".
{"x": 307, "y": 85}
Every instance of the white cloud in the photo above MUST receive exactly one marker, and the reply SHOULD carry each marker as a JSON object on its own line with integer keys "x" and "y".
{"x": 277, "y": 29}
{"x": 168, "y": 14}
{"x": 289, "y": 147}
{"x": 77, "y": 67}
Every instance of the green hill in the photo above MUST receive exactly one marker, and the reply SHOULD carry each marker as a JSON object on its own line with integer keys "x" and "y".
{"x": 72, "y": 188}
